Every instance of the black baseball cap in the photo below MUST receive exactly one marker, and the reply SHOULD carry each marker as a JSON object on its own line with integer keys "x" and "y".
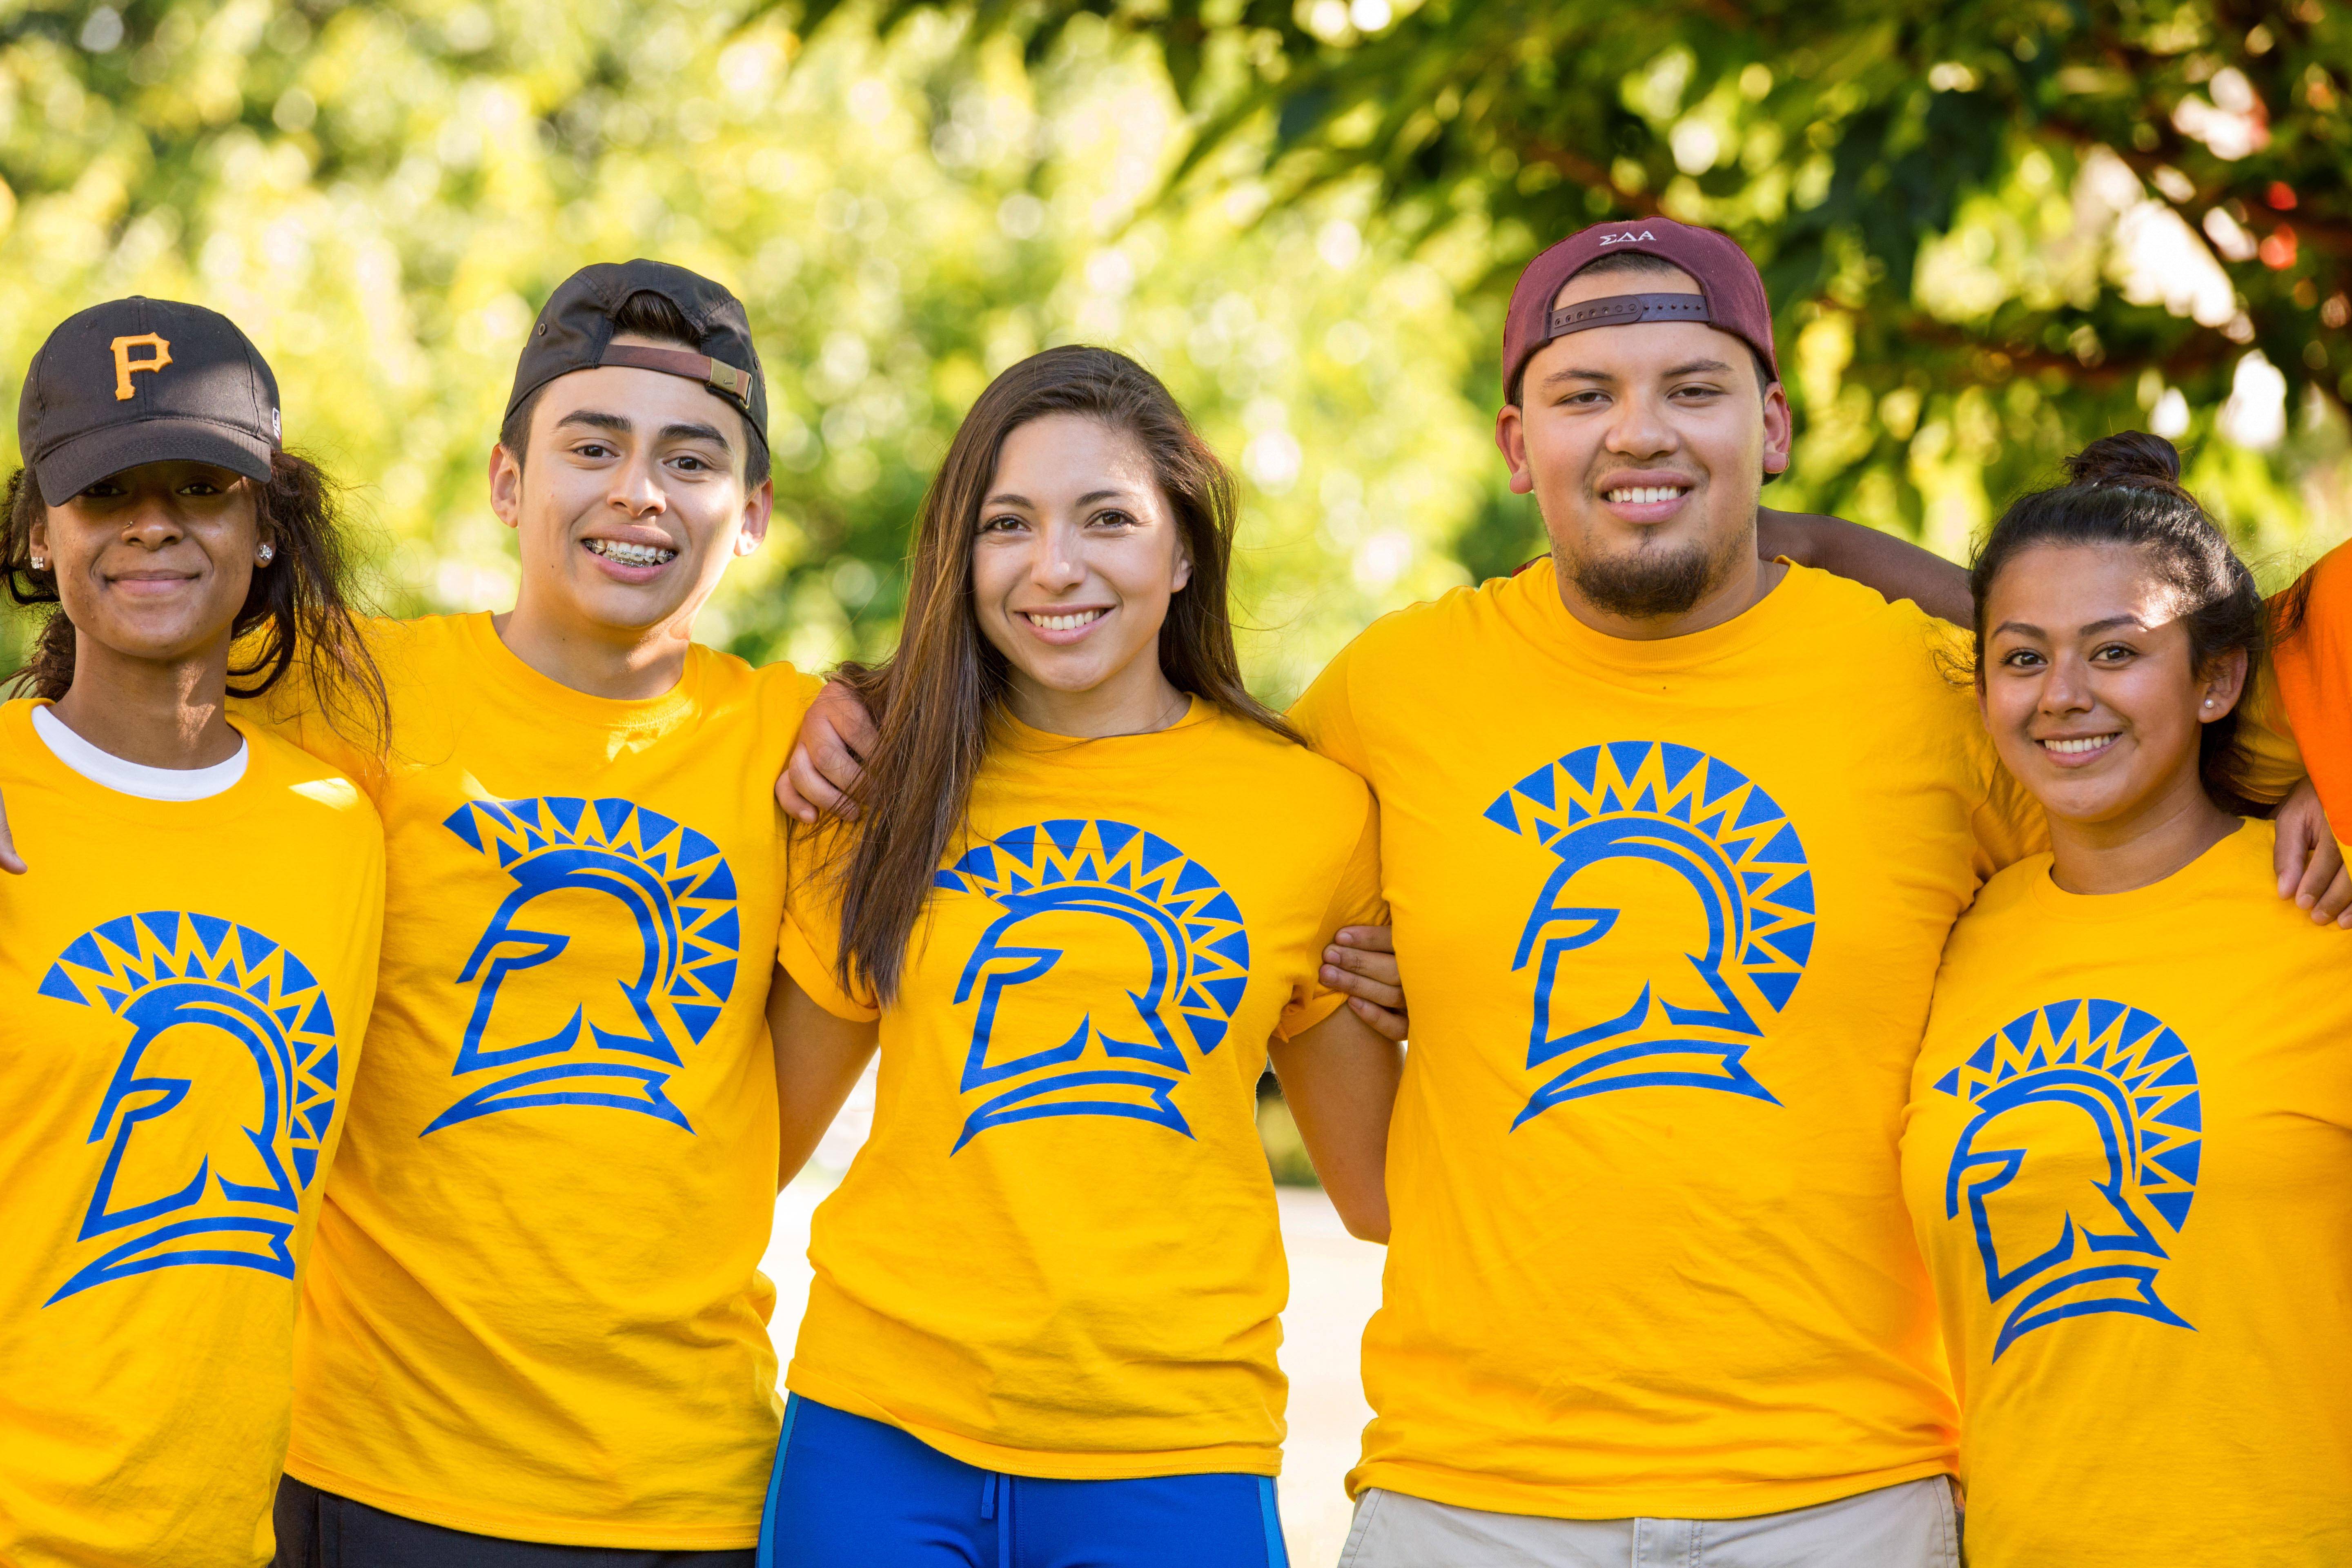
{"x": 576, "y": 331}
{"x": 145, "y": 381}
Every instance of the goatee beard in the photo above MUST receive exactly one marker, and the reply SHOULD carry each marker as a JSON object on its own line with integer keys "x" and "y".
{"x": 1647, "y": 584}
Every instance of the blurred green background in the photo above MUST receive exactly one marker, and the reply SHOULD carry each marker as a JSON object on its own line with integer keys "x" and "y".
{"x": 1991, "y": 231}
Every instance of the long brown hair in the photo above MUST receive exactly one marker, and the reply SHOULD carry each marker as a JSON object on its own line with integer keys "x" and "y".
{"x": 934, "y": 700}
{"x": 298, "y": 608}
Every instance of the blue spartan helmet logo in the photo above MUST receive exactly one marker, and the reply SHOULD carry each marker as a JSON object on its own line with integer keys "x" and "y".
{"x": 668, "y": 886}
{"x": 1723, "y": 838}
{"x": 226, "y": 1026}
{"x": 1122, "y": 1053}
{"x": 2096, "y": 1085}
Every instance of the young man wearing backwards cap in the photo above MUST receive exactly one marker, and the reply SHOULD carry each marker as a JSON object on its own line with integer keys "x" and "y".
{"x": 534, "y": 1318}
{"x": 1673, "y": 836}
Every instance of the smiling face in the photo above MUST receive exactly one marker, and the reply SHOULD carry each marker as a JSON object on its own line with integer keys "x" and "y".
{"x": 630, "y": 501}
{"x": 1644, "y": 446}
{"x": 1075, "y": 558}
{"x": 154, "y": 563}
{"x": 2089, "y": 684}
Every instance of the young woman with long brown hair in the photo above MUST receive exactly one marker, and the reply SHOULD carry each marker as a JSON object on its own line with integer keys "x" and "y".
{"x": 1086, "y": 894}
{"x": 188, "y": 954}
{"x": 2128, "y": 1148}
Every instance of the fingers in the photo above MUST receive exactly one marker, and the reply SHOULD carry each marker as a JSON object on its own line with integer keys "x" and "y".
{"x": 1370, "y": 975}
{"x": 847, "y": 715}
{"x": 1372, "y": 939}
{"x": 2302, "y": 837}
{"x": 1389, "y": 1024}
{"x": 9, "y": 860}
{"x": 805, "y": 792}
{"x": 2335, "y": 903}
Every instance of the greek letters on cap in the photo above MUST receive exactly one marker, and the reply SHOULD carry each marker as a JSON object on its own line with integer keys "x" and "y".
{"x": 124, "y": 365}
{"x": 1628, "y": 236}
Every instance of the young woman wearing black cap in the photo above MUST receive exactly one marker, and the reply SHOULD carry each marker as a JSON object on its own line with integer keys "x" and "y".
{"x": 191, "y": 956}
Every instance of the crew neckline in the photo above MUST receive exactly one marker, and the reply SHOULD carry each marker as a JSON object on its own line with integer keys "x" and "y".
{"x": 124, "y": 776}
{"x": 2219, "y": 866}
{"x": 1027, "y": 738}
{"x": 1784, "y": 601}
{"x": 544, "y": 692}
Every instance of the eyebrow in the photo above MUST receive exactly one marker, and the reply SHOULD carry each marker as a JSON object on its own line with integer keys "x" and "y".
{"x": 695, "y": 431}
{"x": 1007, "y": 498}
{"x": 2110, "y": 624}
{"x": 620, "y": 424}
{"x": 1688, "y": 367}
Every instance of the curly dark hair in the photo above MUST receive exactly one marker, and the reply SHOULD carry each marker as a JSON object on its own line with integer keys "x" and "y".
{"x": 2125, "y": 490}
{"x": 298, "y": 608}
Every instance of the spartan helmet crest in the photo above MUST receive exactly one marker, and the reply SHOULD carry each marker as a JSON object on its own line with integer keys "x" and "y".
{"x": 1117, "y": 960}
{"x": 214, "y": 1120}
{"x": 2080, "y": 1159}
{"x": 616, "y": 948}
{"x": 1677, "y": 919}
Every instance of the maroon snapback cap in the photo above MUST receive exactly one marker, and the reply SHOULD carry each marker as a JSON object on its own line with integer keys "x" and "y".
{"x": 1730, "y": 297}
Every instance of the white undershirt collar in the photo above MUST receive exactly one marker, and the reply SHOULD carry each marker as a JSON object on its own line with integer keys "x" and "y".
{"x": 135, "y": 778}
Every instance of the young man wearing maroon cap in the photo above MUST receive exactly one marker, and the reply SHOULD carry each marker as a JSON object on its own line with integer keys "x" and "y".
{"x": 1672, "y": 835}
{"x": 533, "y": 1332}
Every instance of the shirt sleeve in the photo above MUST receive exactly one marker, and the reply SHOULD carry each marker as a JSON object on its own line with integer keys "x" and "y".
{"x": 1324, "y": 713}
{"x": 1356, "y": 900}
{"x": 2008, "y": 823}
{"x": 810, "y": 938}
{"x": 338, "y": 732}
{"x": 2273, "y": 762}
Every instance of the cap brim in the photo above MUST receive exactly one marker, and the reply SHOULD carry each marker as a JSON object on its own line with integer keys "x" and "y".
{"x": 81, "y": 462}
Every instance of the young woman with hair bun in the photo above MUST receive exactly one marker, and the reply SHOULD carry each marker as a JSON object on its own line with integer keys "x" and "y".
{"x": 1085, "y": 895}
{"x": 189, "y": 947}
{"x": 2128, "y": 1148}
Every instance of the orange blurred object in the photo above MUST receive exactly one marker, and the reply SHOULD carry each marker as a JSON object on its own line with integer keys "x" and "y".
{"x": 2312, "y": 661}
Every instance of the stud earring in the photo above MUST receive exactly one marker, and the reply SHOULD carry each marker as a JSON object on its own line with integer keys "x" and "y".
{"x": 40, "y": 562}
{"x": 2208, "y": 702}
{"x": 270, "y": 553}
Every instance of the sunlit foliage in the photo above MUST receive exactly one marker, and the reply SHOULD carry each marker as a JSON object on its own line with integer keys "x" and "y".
{"x": 383, "y": 195}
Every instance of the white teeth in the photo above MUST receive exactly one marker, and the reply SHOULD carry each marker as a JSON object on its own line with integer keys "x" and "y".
{"x": 1062, "y": 623}
{"x": 1638, "y": 495}
{"x": 2075, "y": 748}
{"x": 632, "y": 554}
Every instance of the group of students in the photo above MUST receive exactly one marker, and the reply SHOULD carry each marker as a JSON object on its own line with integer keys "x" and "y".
{"x": 1876, "y": 1039}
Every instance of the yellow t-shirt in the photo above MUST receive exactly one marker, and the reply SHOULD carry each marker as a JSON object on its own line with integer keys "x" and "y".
{"x": 2129, "y": 1157}
{"x": 1059, "y": 1253}
{"x": 536, "y": 1310}
{"x": 1668, "y": 913}
{"x": 182, "y": 990}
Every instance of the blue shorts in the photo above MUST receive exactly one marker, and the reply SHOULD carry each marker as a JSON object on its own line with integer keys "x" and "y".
{"x": 849, "y": 1491}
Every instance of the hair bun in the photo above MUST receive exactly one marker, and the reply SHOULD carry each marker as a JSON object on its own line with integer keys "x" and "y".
{"x": 2128, "y": 457}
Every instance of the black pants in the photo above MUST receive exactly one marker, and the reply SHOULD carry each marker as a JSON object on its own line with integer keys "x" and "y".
{"x": 319, "y": 1529}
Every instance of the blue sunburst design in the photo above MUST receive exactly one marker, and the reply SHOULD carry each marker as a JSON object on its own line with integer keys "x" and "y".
{"x": 1199, "y": 969}
{"x": 1723, "y": 835}
{"x": 172, "y": 972}
{"x": 2133, "y": 1084}
{"x": 667, "y": 883}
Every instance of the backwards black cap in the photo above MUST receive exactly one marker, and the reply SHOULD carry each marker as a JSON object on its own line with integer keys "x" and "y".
{"x": 145, "y": 381}
{"x": 575, "y": 331}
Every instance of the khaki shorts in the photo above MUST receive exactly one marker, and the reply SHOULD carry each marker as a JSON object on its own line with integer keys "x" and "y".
{"x": 1909, "y": 1526}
